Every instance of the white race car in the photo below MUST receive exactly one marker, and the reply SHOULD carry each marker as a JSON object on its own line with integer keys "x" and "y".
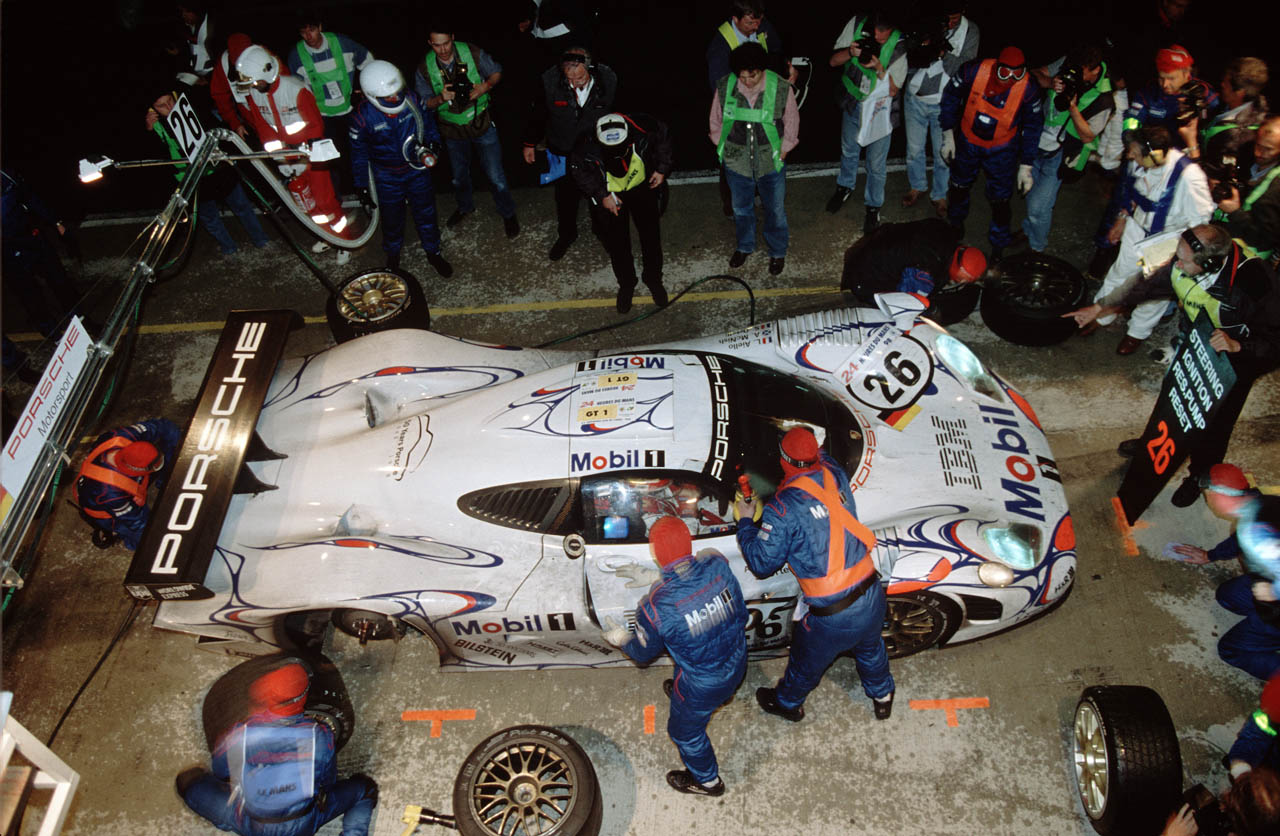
{"x": 486, "y": 495}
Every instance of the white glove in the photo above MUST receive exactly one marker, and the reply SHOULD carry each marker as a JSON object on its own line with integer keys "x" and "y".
{"x": 1025, "y": 180}
{"x": 640, "y": 576}
{"x": 948, "y": 150}
{"x": 615, "y": 634}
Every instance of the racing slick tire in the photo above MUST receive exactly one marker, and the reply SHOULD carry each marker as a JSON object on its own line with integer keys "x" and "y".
{"x": 377, "y": 300}
{"x": 1127, "y": 765}
{"x": 1024, "y": 300}
{"x": 953, "y": 303}
{"x": 916, "y": 621}
{"x": 227, "y": 702}
{"x": 527, "y": 780}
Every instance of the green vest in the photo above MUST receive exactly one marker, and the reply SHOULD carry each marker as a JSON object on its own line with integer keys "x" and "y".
{"x": 461, "y": 52}
{"x": 1193, "y": 298}
{"x": 175, "y": 153}
{"x": 764, "y": 115}
{"x": 633, "y": 178}
{"x": 1054, "y": 117}
{"x": 886, "y": 52}
{"x": 731, "y": 37}
{"x": 337, "y": 75}
{"x": 1258, "y": 191}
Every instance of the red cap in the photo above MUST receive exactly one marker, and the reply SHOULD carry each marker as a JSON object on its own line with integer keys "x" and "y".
{"x": 670, "y": 539}
{"x": 799, "y": 447}
{"x": 1227, "y": 479}
{"x": 1175, "y": 57}
{"x": 282, "y": 692}
{"x": 139, "y": 457}
{"x": 1271, "y": 699}
{"x": 967, "y": 264}
{"x": 1011, "y": 56}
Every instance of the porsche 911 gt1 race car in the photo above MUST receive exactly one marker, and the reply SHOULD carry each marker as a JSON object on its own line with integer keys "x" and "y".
{"x": 487, "y": 495}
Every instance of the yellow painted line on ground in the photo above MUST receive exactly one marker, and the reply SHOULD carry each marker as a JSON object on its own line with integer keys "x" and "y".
{"x": 487, "y": 310}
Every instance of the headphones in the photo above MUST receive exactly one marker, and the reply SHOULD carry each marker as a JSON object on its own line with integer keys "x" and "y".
{"x": 1208, "y": 263}
{"x": 1151, "y": 156}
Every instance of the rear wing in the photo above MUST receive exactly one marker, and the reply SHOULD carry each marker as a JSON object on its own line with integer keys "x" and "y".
{"x": 177, "y": 547}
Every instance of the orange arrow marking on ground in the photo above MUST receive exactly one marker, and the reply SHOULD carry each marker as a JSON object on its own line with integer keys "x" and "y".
{"x": 438, "y": 718}
{"x": 950, "y": 706}
{"x": 648, "y": 719}
{"x": 1126, "y": 530}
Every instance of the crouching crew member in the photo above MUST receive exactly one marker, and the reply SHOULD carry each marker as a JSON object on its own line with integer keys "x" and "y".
{"x": 694, "y": 611}
{"x": 811, "y": 524}
{"x": 113, "y": 481}
{"x": 917, "y": 257}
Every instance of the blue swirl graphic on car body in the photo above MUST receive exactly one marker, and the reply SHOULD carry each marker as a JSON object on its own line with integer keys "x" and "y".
{"x": 491, "y": 375}
{"x": 464, "y": 556}
{"x": 549, "y": 401}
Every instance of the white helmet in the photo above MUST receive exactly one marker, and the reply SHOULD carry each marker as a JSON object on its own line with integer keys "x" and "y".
{"x": 256, "y": 64}
{"x": 611, "y": 129}
{"x": 380, "y": 80}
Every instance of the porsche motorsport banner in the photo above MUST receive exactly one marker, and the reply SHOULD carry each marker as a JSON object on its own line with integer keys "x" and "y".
{"x": 1195, "y": 384}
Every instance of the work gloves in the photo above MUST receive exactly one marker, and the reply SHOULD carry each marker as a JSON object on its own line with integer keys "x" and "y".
{"x": 1025, "y": 180}
{"x": 615, "y": 633}
{"x": 366, "y": 200}
{"x": 948, "y": 150}
{"x": 639, "y": 576}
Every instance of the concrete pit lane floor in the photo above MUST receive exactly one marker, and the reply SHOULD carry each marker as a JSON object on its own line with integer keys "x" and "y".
{"x": 980, "y": 738}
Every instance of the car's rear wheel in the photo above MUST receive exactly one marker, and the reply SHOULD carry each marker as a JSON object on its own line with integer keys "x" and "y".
{"x": 1127, "y": 765}
{"x": 527, "y": 780}
{"x": 1025, "y": 298}
{"x": 377, "y": 300}
{"x": 367, "y": 626}
{"x": 915, "y": 621}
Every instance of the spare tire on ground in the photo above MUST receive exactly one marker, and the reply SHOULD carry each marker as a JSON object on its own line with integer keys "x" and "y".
{"x": 1025, "y": 296}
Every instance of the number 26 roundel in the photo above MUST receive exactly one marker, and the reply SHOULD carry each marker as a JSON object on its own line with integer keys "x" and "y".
{"x": 895, "y": 377}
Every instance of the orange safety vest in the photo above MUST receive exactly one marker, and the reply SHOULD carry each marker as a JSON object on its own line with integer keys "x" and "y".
{"x": 977, "y": 104}
{"x": 107, "y": 476}
{"x": 839, "y": 578}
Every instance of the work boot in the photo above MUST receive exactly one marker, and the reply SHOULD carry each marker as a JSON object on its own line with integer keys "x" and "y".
{"x": 776, "y": 266}
{"x": 768, "y": 699}
{"x": 560, "y": 247}
{"x": 1187, "y": 493}
{"x": 738, "y": 259}
{"x": 511, "y": 226}
{"x": 443, "y": 267}
{"x": 658, "y": 292}
{"x": 872, "y": 220}
{"x": 625, "y": 293}
{"x": 456, "y": 218}
{"x": 682, "y": 781}
{"x": 884, "y": 707}
{"x": 837, "y": 200}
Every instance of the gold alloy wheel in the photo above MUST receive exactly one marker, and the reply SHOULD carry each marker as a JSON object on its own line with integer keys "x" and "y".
{"x": 373, "y": 297}
{"x": 1091, "y": 760}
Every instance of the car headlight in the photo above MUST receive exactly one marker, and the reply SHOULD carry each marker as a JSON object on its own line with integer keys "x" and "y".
{"x": 1017, "y": 545}
{"x": 967, "y": 366}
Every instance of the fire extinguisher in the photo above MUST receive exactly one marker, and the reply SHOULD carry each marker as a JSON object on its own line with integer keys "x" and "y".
{"x": 300, "y": 188}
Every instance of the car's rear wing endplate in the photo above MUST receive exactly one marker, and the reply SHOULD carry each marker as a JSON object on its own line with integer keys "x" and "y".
{"x": 178, "y": 545}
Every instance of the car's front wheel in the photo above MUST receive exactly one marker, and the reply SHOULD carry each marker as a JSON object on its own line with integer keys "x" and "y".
{"x": 915, "y": 621}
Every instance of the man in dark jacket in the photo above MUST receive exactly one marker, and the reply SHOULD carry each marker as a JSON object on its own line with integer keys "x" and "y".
{"x": 622, "y": 169}
{"x": 916, "y": 257}
{"x": 575, "y": 94}
{"x": 694, "y": 611}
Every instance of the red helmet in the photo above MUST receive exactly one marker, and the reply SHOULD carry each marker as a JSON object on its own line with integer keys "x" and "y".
{"x": 967, "y": 264}
{"x": 670, "y": 540}
{"x": 282, "y": 692}
{"x": 1270, "y": 701}
{"x": 139, "y": 457}
{"x": 1226, "y": 479}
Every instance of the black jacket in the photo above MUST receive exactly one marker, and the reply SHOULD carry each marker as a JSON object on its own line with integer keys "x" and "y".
{"x": 556, "y": 116}
{"x": 647, "y": 135}
{"x": 875, "y": 263}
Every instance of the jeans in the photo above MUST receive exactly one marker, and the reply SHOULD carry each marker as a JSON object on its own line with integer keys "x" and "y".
{"x": 491, "y": 161}
{"x": 238, "y": 202}
{"x": 352, "y": 798}
{"x": 819, "y": 639}
{"x": 1041, "y": 198}
{"x": 851, "y": 152}
{"x": 921, "y": 123}
{"x": 773, "y": 193}
{"x": 691, "y": 710}
{"x": 1253, "y": 645}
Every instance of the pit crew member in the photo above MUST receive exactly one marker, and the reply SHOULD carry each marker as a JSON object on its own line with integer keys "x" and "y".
{"x": 113, "y": 481}
{"x": 916, "y": 257}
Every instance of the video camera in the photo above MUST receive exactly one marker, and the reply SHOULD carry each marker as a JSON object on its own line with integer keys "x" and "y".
{"x": 461, "y": 85}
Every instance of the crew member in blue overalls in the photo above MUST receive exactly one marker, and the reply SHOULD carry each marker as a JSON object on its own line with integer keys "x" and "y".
{"x": 1258, "y": 742}
{"x": 694, "y": 611}
{"x": 113, "y": 481}
{"x": 991, "y": 120}
{"x": 393, "y": 131}
{"x": 275, "y": 773}
{"x": 811, "y": 524}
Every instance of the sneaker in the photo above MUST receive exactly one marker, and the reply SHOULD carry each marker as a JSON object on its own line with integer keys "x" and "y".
{"x": 872, "y": 220}
{"x": 681, "y": 781}
{"x": 511, "y": 226}
{"x": 456, "y": 218}
{"x": 1187, "y": 493}
{"x": 738, "y": 258}
{"x": 393, "y": 260}
{"x": 343, "y": 257}
{"x": 624, "y": 298}
{"x": 320, "y": 247}
{"x": 560, "y": 247}
{"x": 768, "y": 699}
{"x": 837, "y": 200}
{"x": 443, "y": 267}
{"x": 776, "y": 266}
{"x": 1130, "y": 447}
{"x": 884, "y": 707}
{"x": 911, "y": 198}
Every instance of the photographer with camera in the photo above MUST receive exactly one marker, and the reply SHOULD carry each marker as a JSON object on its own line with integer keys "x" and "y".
{"x": 1243, "y": 104}
{"x": 455, "y": 80}
{"x": 937, "y": 46}
{"x": 1246, "y": 187}
{"x": 1249, "y": 807}
{"x": 1177, "y": 101}
{"x": 1074, "y": 118}
{"x": 874, "y": 60}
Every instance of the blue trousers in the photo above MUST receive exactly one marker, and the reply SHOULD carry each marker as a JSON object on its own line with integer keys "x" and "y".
{"x": 773, "y": 194}
{"x": 352, "y": 798}
{"x": 817, "y": 640}
{"x": 1253, "y": 645}
{"x": 851, "y": 153}
{"x": 414, "y": 186}
{"x": 211, "y": 220}
{"x": 921, "y": 120}
{"x": 691, "y": 710}
{"x": 1000, "y": 165}
{"x": 491, "y": 161}
{"x": 1042, "y": 198}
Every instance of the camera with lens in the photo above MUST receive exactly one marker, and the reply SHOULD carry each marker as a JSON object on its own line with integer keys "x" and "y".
{"x": 869, "y": 46}
{"x": 926, "y": 41}
{"x": 1211, "y": 819}
{"x": 1229, "y": 175}
{"x": 1072, "y": 79}
{"x": 461, "y": 85}
{"x": 1191, "y": 103}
